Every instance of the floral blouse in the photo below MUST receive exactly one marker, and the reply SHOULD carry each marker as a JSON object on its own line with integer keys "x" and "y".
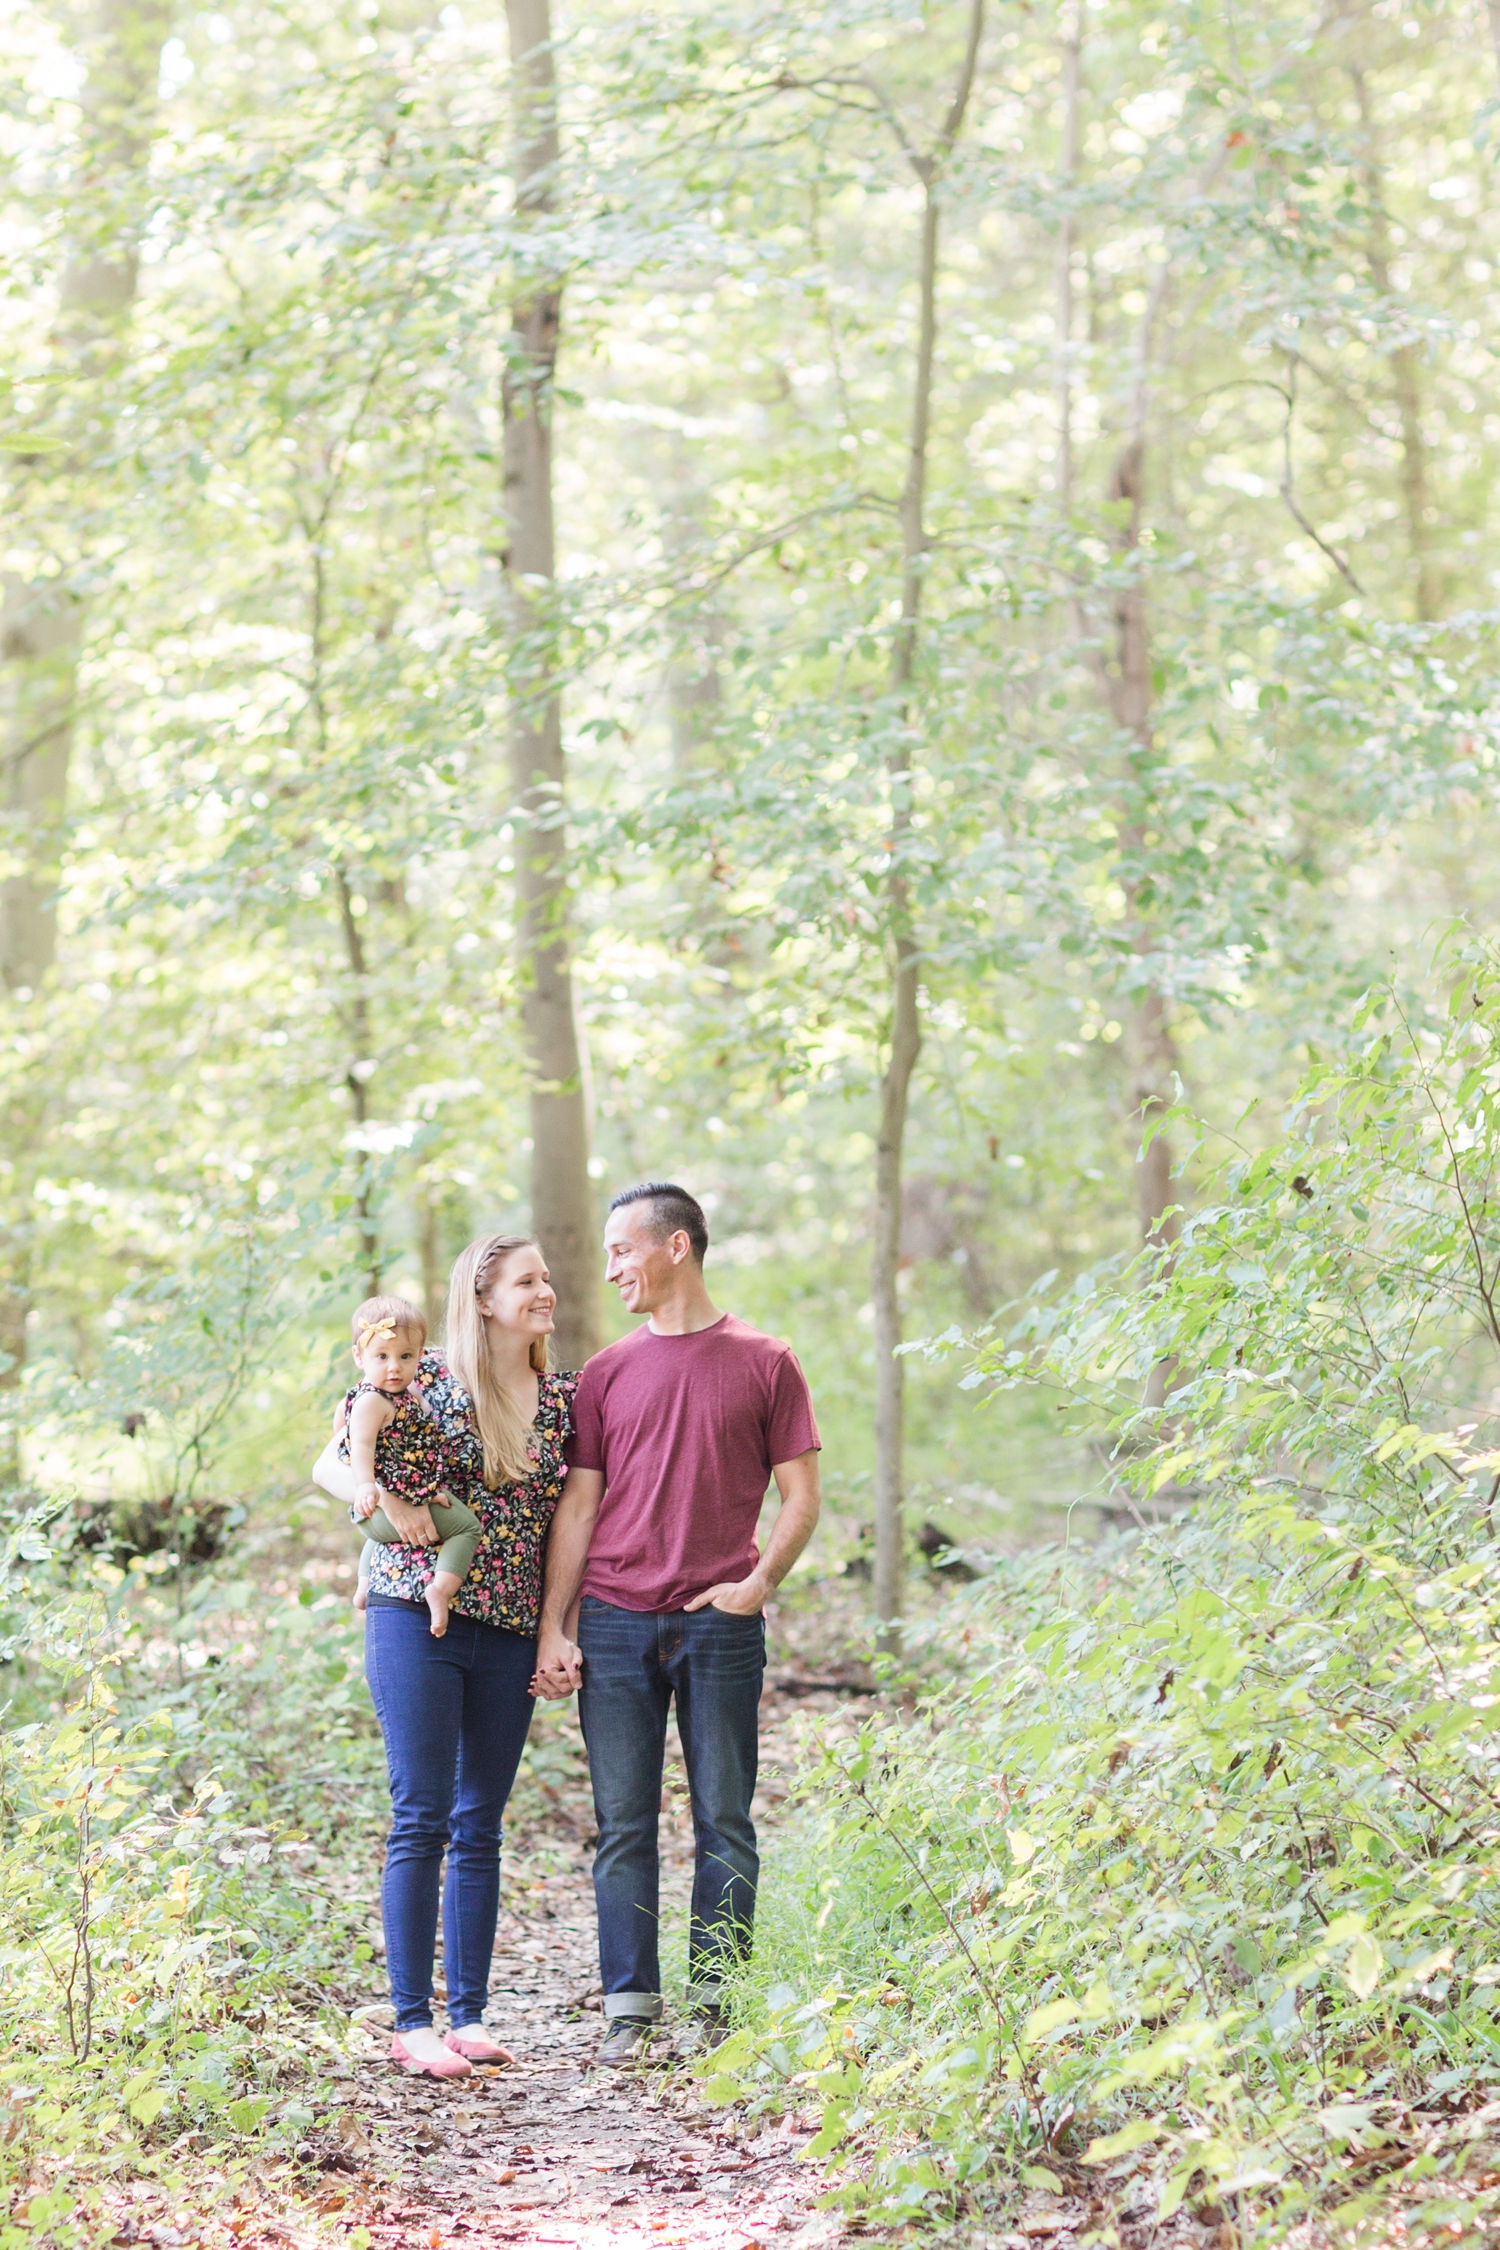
{"x": 413, "y": 1456}
{"x": 504, "y": 1586}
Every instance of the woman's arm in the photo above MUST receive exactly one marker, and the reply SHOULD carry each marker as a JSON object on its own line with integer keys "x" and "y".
{"x": 413, "y": 1527}
{"x": 335, "y": 1476}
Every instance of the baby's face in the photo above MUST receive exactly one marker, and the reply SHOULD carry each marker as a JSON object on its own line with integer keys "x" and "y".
{"x": 390, "y": 1362}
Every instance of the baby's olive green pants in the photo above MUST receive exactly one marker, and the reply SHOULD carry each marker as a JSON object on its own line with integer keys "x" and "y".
{"x": 455, "y": 1525}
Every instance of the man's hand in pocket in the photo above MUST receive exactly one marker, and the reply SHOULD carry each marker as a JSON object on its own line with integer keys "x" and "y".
{"x": 745, "y": 1597}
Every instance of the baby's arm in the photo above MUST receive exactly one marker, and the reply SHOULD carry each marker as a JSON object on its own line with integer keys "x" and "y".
{"x": 368, "y": 1416}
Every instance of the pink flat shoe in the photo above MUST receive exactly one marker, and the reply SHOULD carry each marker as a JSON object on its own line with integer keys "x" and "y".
{"x": 449, "y": 2066}
{"x": 483, "y": 2049}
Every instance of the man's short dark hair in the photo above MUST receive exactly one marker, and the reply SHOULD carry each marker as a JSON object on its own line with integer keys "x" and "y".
{"x": 673, "y": 1211}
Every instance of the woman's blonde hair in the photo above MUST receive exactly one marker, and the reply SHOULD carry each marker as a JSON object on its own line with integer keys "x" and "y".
{"x": 502, "y": 1432}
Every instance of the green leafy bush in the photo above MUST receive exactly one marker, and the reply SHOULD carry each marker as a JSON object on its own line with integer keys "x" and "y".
{"x": 1191, "y": 1866}
{"x": 177, "y": 1952}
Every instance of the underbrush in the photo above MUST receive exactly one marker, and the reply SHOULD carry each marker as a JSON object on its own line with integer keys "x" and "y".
{"x": 192, "y": 1805}
{"x": 187, "y": 1860}
{"x": 1182, "y": 1888}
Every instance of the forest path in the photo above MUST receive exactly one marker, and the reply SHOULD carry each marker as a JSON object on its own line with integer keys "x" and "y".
{"x": 562, "y": 2151}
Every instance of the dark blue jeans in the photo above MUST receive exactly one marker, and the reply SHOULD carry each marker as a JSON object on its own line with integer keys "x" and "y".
{"x": 454, "y": 1713}
{"x": 634, "y": 1662}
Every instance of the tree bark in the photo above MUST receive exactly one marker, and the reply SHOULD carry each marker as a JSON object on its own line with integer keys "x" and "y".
{"x": 905, "y": 1021}
{"x": 1405, "y": 377}
{"x": 40, "y": 621}
{"x": 359, "y": 1071}
{"x": 1151, "y": 1049}
{"x": 1072, "y": 53}
{"x": 41, "y": 618}
{"x": 561, "y": 1200}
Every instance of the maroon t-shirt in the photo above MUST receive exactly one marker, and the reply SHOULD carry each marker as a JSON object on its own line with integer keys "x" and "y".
{"x": 686, "y": 1430}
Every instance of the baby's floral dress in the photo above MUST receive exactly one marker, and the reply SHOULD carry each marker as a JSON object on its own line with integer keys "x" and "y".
{"x": 504, "y": 1584}
{"x": 413, "y": 1458}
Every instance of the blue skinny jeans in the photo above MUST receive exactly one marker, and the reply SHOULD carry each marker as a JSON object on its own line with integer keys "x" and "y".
{"x": 454, "y": 1714}
{"x": 634, "y": 1662}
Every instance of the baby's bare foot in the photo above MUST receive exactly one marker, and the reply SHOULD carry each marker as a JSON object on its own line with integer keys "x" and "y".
{"x": 359, "y": 1598}
{"x": 437, "y": 1602}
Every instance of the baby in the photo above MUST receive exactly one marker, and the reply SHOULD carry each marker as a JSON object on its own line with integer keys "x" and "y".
{"x": 390, "y": 1439}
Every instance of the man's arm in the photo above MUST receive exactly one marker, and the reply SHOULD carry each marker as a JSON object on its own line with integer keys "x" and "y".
{"x": 796, "y": 1521}
{"x": 559, "y": 1662}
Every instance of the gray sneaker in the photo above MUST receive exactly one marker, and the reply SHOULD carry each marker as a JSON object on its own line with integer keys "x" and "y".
{"x": 626, "y": 2040}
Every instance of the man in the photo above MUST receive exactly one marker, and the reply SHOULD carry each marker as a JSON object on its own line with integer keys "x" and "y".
{"x": 678, "y": 1429}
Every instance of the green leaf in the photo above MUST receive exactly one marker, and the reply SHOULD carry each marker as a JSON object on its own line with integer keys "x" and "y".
{"x": 1362, "y": 1967}
{"x": 1139, "y": 2134}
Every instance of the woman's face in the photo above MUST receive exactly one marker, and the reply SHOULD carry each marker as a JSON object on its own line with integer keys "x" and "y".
{"x": 521, "y": 1297}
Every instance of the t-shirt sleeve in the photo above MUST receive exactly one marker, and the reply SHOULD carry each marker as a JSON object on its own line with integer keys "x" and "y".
{"x": 584, "y": 1448}
{"x": 790, "y": 1426}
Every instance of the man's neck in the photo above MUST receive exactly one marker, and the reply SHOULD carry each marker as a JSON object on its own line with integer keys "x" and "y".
{"x": 689, "y": 1308}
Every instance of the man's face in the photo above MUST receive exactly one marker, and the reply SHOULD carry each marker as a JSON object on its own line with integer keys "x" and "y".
{"x": 642, "y": 1269}
{"x": 390, "y": 1362}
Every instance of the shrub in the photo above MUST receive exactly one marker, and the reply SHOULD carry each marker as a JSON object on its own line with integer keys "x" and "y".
{"x": 169, "y": 1933}
{"x": 1193, "y": 1863}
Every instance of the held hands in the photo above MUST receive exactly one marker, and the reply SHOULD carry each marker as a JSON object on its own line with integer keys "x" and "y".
{"x": 559, "y": 1667}
{"x": 745, "y": 1597}
{"x": 559, "y": 1661}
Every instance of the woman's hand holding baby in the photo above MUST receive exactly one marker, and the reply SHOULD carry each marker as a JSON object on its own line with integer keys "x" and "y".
{"x": 413, "y": 1527}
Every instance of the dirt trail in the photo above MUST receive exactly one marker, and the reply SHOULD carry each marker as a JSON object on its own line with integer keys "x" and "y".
{"x": 560, "y": 2151}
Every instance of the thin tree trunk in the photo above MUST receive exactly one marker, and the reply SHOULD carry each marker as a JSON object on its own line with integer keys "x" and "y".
{"x": 695, "y": 690}
{"x": 561, "y": 1200}
{"x": 1072, "y": 51}
{"x": 1151, "y": 1049}
{"x": 906, "y": 1026}
{"x": 1126, "y": 679}
{"x": 1405, "y": 376}
{"x": 41, "y": 619}
{"x": 430, "y": 1257}
{"x": 359, "y": 1072}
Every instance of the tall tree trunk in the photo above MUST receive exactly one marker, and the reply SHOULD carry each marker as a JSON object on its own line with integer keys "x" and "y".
{"x": 905, "y": 1023}
{"x": 41, "y": 618}
{"x": 1406, "y": 382}
{"x": 1151, "y": 1050}
{"x": 1126, "y": 679}
{"x": 1072, "y": 53}
{"x": 430, "y": 1256}
{"x": 360, "y": 1069}
{"x": 695, "y": 689}
{"x": 561, "y": 1201}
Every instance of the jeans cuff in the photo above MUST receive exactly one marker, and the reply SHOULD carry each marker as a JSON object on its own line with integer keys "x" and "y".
{"x": 705, "y": 1993}
{"x": 640, "y": 2007}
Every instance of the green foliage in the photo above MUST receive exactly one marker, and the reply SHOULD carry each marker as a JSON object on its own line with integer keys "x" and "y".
{"x": 170, "y": 1930}
{"x": 272, "y": 511}
{"x": 1198, "y": 1854}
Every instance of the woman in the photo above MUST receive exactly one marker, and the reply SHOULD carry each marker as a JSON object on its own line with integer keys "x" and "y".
{"x": 454, "y": 1712}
